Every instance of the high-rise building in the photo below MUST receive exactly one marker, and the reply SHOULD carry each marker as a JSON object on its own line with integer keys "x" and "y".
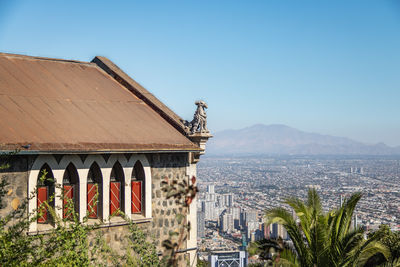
{"x": 274, "y": 231}
{"x": 201, "y": 224}
{"x": 211, "y": 197}
{"x": 226, "y": 222}
{"x": 220, "y": 201}
{"x": 355, "y": 221}
{"x": 208, "y": 207}
{"x": 278, "y": 231}
{"x": 236, "y": 213}
{"x": 236, "y": 217}
{"x": 251, "y": 216}
{"x": 267, "y": 230}
{"x": 251, "y": 227}
{"x": 282, "y": 232}
{"x": 217, "y": 212}
{"x": 227, "y": 200}
{"x": 242, "y": 218}
{"x": 210, "y": 189}
{"x": 259, "y": 234}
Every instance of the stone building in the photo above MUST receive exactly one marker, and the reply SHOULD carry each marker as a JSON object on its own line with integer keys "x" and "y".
{"x": 94, "y": 129}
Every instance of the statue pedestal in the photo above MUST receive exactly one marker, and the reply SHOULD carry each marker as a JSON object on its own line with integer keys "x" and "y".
{"x": 200, "y": 139}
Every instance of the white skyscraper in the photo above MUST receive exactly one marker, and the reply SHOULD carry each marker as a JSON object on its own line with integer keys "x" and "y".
{"x": 227, "y": 200}
{"x": 208, "y": 208}
{"x": 227, "y": 222}
{"x": 236, "y": 213}
{"x": 210, "y": 189}
{"x": 341, "y": 200}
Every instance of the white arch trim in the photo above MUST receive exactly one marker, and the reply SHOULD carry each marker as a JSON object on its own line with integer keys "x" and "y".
{"x": 82, "y": 168}
{"x": 32, "y": 183}
{"x": 105, "y": 173}
{"x": 78, "y": 164}
{"x": 147, "y": 182}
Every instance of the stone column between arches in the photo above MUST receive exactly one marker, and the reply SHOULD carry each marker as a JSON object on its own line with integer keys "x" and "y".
{"x": 58, "y": 202}
{"x": 82, "y": 173}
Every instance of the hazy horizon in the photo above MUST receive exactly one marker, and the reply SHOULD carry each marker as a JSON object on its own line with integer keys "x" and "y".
{"x": 299, "y": 129}
{"x": 324, "y": 67}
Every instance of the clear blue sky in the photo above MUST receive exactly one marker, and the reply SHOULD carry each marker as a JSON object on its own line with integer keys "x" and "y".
{"x": 331, "y": 67}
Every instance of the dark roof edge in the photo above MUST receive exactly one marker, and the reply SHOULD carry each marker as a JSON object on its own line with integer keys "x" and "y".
{"x": 48, "y": 152}
{"x": 120, "y": 76}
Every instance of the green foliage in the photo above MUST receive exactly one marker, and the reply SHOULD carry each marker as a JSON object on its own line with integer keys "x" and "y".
{"x": 15, "y": 245}
{"x": 325, "y": 239}
{"x": 71, "y": 242}
{"x": 267, "y": 249}
{"x": 64, "y": 245}
{"x": 201, "y": 263}
{"x": 3, "y": 192}
{"x": 141, "y": 248}
{"x": 253, "y": 249}
{"x": 391, "y": 241}
{"x": 67, "y": 243}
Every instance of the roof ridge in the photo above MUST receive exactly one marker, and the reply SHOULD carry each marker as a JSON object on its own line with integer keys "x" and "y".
{"x": 125, "y": 80}
{"x": 45, "y": 58}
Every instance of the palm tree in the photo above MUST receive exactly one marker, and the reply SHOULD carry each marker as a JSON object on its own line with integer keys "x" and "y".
{"x": 391, "y": 240}
{"x": 324, "y": 239}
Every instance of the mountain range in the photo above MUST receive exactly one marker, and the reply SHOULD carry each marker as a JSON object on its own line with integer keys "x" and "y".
{"x": 282, "y": 139}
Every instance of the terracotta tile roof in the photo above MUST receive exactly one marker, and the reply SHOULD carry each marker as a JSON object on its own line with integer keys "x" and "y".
{"x": 60, "y": 105}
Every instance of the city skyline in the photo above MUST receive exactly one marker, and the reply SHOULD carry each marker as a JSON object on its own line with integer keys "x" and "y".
{"x": 258, "y": 184}
{"x": 326, "y": 67}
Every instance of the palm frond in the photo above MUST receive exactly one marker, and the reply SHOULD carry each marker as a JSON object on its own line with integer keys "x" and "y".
{"x": 314, "y": 201}
{"x": 288, "y": 258}
{"x": 345, "y": 215}
{"x": 365, "y": 250}
{"x": 281, "y": 216}
{"x": 394, "y": 263}
{"x": 325, "y": 239}
{"x": 304, "y": 214}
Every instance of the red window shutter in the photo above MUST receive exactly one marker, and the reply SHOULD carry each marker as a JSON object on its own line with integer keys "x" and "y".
{"x": 136, "y": 199}
{"x": 92, "y": 200}
{"x": 68, "y": 194}
{"x": 42, "y": 197}
{"x": 115, "y": 197}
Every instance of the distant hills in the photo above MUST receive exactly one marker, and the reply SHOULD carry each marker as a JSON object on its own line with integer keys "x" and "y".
{"x": 285, "y": 140}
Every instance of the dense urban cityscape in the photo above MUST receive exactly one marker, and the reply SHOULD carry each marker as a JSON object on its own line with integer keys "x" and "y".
{"x": 235, "y": 192}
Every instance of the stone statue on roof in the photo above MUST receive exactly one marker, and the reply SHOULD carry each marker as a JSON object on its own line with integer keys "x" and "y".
{"x": 199, "y": 122}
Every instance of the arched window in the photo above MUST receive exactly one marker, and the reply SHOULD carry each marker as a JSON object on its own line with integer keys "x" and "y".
{"x": 71, "y": 191}
{"x": 94, "y": 192}
{"x": 45, "y": 194}
{"x": 137, "y": 188}
{"x": 117, "y": 196}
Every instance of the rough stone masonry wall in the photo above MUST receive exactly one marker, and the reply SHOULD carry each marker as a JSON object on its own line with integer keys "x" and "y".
{"x": 17, "y": 178}
{"x": 171, "y": 165}
{"x": 163, "y": 211}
